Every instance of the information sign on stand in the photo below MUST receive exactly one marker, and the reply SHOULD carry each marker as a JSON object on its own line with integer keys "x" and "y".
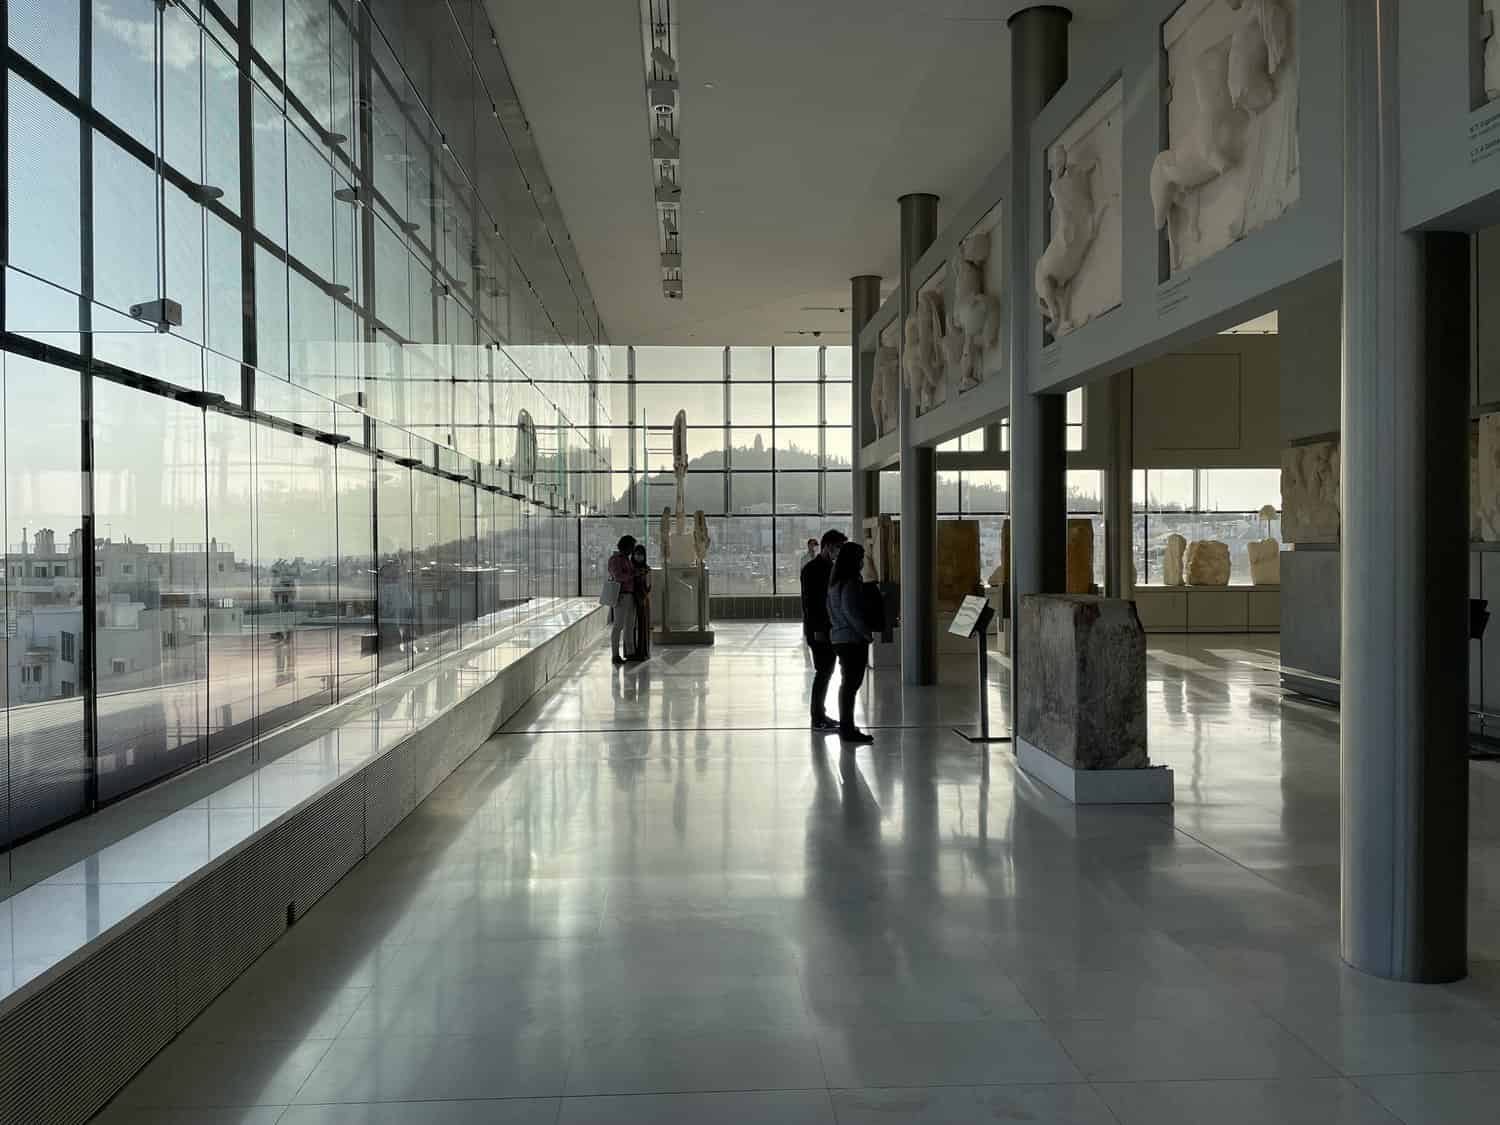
{"x": 973, "y": 619}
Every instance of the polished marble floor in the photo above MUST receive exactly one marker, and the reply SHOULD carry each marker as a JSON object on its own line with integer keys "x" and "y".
{"x": 656, "y": 897}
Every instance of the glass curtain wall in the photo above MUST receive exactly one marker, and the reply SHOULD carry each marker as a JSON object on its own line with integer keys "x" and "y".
{"x": 768, "y": 454}
{"x": 299, "y": 381}
{"x": 1234, "y": 506}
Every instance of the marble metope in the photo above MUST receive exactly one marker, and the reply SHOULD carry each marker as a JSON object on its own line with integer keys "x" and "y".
{"x": 1486, "y": 500}
{"x": 1083, "y": 681}
{"x": 1265, "y": 562}
{"x": 885, "y": 389}
{"x": 1172, "y": 560}
{"x": 974, "y": 320}
{"x": 957, "y": 561}
{"x": 1208, "y": 563}
{"x": 1080, "y": 556}
{"x": 1491, "y": 10}
{"x": 1310, "y": 493}
{"x": 1232, "y": 163}
{"x": 1079, "y": 275}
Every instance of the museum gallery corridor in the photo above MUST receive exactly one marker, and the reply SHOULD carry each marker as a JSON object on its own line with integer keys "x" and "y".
{"x": 656, "y": 898}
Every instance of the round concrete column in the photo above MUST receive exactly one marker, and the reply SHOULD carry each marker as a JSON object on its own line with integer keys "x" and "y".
{"x": 918, "y": 476}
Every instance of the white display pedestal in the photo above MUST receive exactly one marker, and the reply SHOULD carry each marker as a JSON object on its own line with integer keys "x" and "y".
{"x": 683, "y": 590}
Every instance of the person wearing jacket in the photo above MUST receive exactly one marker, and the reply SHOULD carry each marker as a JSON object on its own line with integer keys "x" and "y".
{"x": 850, "y": 634}
{"x": 815, "y": 624}
{"x": 642, "y": 649}
{"x": 623, "y": 614}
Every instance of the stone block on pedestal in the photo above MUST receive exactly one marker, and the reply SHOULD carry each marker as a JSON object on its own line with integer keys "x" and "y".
{"x": 683, "y": 591}
{"x": 1208, "y": 563}
{"x": 1081, "y": 722}
{"x": 1080, "y": 556}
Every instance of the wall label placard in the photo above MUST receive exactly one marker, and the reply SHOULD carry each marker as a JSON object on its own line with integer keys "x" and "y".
{"x": 1052, "y": 356}
{"x": 1172, "y": 295}
{"x": 1484, "y": 138}
{"x": 967, "y": 619}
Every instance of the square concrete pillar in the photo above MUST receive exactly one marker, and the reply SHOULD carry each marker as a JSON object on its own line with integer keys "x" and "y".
{"x": 1081, "y": 715}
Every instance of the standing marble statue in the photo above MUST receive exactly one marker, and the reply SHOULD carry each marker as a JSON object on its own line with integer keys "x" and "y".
{"x": 976, "y": 314}
{"x": 1075, "y": 222}
{"x": 680, "y": 464}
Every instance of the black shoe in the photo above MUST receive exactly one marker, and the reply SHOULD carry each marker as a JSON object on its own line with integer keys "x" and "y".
{"x": 825, "y": 725}
{"x": 856, "y": 737}
{"x": 617, "y": 660}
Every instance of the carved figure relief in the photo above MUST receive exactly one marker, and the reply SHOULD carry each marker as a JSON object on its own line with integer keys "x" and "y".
{"x": 1232, "y": 164}
{"x": 885, "y": 389}
{"x": 1078, "y": 275}
{"x": 911, "y": 356}
{"x": 931, "y": 347}
{"x": 1487, "y": 492}
{"x": 1310, "y": 493}
{"x": 976, "y": 313}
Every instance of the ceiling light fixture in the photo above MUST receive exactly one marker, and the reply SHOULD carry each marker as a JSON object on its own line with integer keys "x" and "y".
{"x": 659, "y": 53}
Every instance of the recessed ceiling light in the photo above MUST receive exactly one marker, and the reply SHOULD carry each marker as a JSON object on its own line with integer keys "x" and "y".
{"x": 708, "y": 85}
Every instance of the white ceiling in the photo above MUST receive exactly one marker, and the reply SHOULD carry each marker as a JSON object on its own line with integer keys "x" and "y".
{"x": 821, "y": 114}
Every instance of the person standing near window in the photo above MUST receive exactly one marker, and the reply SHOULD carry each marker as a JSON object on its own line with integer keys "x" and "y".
{"x": 850, "y": 634}
{"x": 815, "y": 624}
{"x": 642, "y": 650}
{"x": 623, "y": 614}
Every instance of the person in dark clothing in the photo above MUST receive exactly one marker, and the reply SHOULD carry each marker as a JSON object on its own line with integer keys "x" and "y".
{"x": 850, "y": 634}
{"x": 815, "y": 624}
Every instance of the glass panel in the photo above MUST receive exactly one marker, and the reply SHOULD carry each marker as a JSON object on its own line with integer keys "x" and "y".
{"x": 837, "y": 494}
{"x": 750, "y": 493}
{"x": 796, "y": 405}
{"x": 743, "y": 551}
{"x": 792, "y": 534}
{"x": 750, "y": 404}
{"x": 798, "y": 492}
{"x": 947, "y": 494}
{"x": 1239, "y": 490}
{"x": 125, "y": 216}
{"x": 984, "y": 490}
{"x": 296, "y": 560}
{"x": 394, "y": 590}
{"x": 750, "y": 449}
{"x": 232, "y": 580}
{"x": 658, "y": 404}
{"x": 838, "y": 404}
{"x": 890, "y": 492}
{"x": 47, "y": 778}
{"x": 124, "y": 66}
{"x": 46, "y": 32}
{"x": 151, "y": 603}
{"x": 691, "y": 364}
{"x": 799, "y": 365}
{"x": 838, "y": 447}
{"x": 43, "y": 188}
{"x": 797, "y": 447}
{"x": 837, "y": 364}
{"x": 750, "y": 363}
{"x": 1085, "y": 490}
